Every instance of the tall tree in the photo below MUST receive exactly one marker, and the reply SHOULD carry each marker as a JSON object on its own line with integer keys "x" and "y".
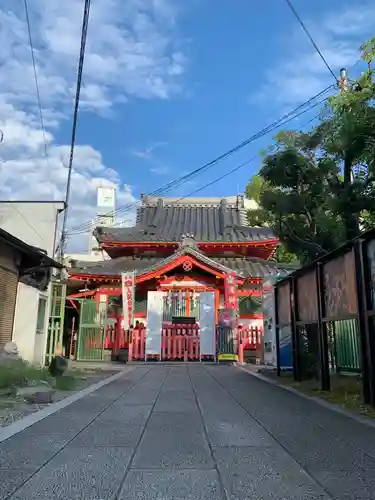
{"x": 347, "y": 135}
{"x": 295, "y": 196}
{"x": 317, "y": 189}
{"x": 261, "y": 217}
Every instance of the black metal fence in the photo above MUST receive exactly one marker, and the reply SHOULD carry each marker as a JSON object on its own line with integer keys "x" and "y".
{"x": 329, "y": 307}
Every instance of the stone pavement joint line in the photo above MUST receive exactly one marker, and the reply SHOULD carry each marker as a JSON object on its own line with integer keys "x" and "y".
{"x": 190, "y": 432}
{"x": 118, "y": 494}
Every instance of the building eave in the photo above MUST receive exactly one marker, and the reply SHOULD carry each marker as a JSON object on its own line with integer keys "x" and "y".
{"x": 32, "y": 257}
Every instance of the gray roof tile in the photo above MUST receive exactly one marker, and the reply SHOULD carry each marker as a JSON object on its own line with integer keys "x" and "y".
{"x": 207, "y": 219}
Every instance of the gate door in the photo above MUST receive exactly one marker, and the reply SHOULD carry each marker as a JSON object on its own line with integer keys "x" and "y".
{"x": 92, "y": 331}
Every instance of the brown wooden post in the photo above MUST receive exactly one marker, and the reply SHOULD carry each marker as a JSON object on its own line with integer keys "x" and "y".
{"x": 363, "y": 279}
{"x": 322, "y": 331}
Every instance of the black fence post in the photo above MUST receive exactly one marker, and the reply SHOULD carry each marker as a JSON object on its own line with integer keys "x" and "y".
{"x": 322, "y": 331}
{"x": 293, "y": 327}
{"x": 277, "y": 332}
{"x": 363, "y": 279}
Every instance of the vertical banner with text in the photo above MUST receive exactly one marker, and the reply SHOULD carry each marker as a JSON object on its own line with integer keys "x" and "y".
{"x": 230, "y": 291}
{"x": 128, "y": 292}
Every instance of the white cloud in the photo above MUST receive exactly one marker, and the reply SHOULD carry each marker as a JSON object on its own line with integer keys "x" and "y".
{"x": 301, "y": 73}
{"x": 132, "y": 51}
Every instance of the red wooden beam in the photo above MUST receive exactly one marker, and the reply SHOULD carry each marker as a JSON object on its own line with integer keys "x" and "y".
{"x": 79, "y": 295}
{"x": 73, "y": 304}
{"x": 251, "y": 316}
{"x": 249, "y": 293}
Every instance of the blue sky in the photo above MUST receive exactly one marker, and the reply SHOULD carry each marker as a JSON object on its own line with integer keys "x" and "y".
{"x": 168, "y": 85}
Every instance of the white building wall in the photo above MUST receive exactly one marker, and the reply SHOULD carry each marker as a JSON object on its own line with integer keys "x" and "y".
{"x": 31, "y": 344}
{"x": 24, "y": 326}
{"x": 35, "y": 223}
{"x": 94, "y": 256}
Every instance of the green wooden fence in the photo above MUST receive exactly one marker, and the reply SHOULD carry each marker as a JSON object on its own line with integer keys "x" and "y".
{"x": 347, "y": 350}
{"x": 56, "y": 321}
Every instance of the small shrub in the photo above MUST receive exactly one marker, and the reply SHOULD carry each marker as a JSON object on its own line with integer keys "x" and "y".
{"x": 12, "y": 374}
{"x": 18, "y": 373}
{"x": 66, "y": 383}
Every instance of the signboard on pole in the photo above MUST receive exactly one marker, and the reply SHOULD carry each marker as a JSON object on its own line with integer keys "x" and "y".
{"x": 128, "y": 292}
{"x": 106, "y": 197}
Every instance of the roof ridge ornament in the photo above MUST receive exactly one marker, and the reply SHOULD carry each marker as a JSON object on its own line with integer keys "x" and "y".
{"x": 188, "y": 241}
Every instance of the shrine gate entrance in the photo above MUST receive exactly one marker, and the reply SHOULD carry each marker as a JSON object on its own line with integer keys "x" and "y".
{"x": 180, "y": 327}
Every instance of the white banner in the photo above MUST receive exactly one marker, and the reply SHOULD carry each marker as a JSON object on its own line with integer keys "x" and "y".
{"x": 154, "y": 322}
{"x": 128, "y": 292}
{"x": 207, "y": 324}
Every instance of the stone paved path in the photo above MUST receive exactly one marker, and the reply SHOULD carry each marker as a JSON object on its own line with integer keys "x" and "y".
{"x": 194, "y": 433}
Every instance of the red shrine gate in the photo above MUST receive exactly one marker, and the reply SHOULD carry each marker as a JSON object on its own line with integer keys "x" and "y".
{"x": 181, "y": 343}
{"x": 176, "y": 327}
{"x": 178, "y": 343}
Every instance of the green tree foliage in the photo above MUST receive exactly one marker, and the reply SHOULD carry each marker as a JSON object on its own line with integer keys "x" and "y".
{"x": 347, "y": 135}
{"x": 316, "y": 188}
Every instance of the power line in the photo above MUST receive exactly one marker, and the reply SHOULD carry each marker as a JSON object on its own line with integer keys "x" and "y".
{"x": 177, "y": 183}
{"x": 280, "y": 122}
{"x": 36, "y": 79}
{"x": 239, "y": 167}
{"x": 85, "y": 21}
{"x": 297, "y": 16}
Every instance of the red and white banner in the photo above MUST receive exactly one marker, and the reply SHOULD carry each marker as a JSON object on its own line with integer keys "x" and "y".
{"x": 128, "y": 292}
{"x": 230, "y": 291}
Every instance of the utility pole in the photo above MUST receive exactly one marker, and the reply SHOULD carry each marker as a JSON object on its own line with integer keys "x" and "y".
{"x": 85, "y": 22}
{"x": 343, "y": 81}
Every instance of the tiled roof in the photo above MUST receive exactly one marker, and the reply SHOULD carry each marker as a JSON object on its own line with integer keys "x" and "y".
{"x": 255, "y": 268}
{"x": 206, "y": 219}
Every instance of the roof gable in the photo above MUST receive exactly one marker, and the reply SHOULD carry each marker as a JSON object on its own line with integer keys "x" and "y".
{"x": 194, "y": 256}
